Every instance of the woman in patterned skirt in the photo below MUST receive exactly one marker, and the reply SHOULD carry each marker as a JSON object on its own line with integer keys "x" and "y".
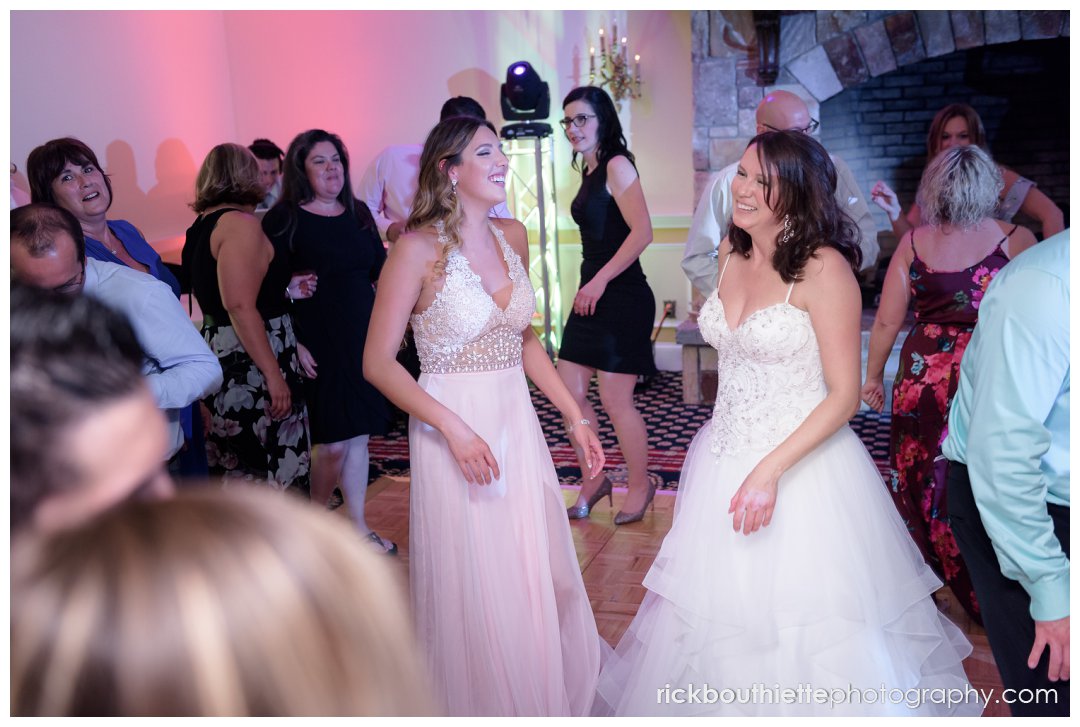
{"x": 945, "y": 266}
{"x": 257, "y": 419}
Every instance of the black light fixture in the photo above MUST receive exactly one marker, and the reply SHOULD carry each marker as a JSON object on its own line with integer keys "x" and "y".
{"x": 525, "y": 98}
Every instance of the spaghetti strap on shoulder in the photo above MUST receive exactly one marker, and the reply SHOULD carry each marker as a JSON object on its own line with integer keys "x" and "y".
{"x": 913, "y": 250}
{"x": 790, "y": 288}
{"x": 727, "y": 259}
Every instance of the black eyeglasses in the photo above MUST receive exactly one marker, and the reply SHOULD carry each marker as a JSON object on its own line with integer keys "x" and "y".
{"x": 808, "y": 129}
{"x": 577, "y": 121}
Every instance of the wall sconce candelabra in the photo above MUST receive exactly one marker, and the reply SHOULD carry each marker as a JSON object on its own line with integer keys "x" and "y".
{"x": 611, "y": 69}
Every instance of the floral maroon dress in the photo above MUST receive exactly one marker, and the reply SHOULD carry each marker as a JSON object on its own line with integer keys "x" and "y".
{"x": 946, "y": 309}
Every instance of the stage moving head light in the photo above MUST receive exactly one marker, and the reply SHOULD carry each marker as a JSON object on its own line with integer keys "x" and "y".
{"x": 524, "y": 96}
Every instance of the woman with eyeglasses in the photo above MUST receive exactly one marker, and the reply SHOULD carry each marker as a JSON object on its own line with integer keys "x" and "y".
{"x": 608, "y": 332}
{"x": 959, "y": 125}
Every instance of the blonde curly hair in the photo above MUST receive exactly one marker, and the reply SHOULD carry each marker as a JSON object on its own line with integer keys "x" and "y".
{"x": 436, "y": 200}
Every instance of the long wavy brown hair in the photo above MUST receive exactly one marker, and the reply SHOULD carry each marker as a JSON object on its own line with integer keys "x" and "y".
{"x": 800, "y": 181}
{"x": 435, "y": 199}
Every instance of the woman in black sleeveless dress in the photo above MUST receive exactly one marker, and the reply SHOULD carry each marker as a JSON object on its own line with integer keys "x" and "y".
{"x": 257, "y": 419}
{"x": 333, "y": 235}
{"x": 608, "y": 332}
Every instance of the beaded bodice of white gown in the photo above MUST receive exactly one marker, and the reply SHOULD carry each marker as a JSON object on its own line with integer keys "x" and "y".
{"x": 769, "y": 375}
{"x": 464, "y": 329}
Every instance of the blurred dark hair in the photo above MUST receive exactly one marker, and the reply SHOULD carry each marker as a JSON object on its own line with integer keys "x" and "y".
{"x": 70, "y": 356}
{"x": 266, "y": 150}
{"x": 462, "y": 106}
{"x": 296, "y": 189}
{"x": 800, "y": 182}
{"x": 35, "y": 226}
{"x": 610, "y": 139}
{"x": 46, "y": 162}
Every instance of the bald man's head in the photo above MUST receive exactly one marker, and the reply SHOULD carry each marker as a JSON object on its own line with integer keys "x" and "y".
{"x": 783, "y": 111}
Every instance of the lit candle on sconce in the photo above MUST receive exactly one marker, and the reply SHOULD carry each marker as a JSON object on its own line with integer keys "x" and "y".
{"x": 637, "y": 67}
{"x": 603, "y": 48}
{"x": 592, "y": 60}
{"x": 624, "y": 49}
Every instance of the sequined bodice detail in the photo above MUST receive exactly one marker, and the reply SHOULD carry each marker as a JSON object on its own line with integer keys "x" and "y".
{"x": 769, "y": 375}
{"x": 464, "y": 330}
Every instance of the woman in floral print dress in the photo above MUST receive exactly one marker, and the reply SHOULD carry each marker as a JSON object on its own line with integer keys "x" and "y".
{"x": 258, "y": 422}
{"x": 946, "y": 266}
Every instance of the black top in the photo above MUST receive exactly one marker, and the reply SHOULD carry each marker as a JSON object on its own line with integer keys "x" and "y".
{"x": 347, "y": 256}
{"x": 603, "y": 229}
{"x": 200, "y": 267}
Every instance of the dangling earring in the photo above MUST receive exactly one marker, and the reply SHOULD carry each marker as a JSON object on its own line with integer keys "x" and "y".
{"x": 453, "y": 186}
{"x": 787, "y": 230}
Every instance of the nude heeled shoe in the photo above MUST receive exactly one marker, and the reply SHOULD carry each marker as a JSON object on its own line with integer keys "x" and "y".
{"x": 582, "y": 511}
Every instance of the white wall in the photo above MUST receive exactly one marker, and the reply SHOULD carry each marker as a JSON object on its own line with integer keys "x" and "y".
{"x": 151, "y": 92}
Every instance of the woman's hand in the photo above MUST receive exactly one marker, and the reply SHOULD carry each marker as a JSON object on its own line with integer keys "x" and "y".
{"x": 280, "y": 396}
{"x": 307, "y": 361}
{"x": 585, "y": 438}
{"x": 754, "y": 502}
{"x": 587, "y": 297}
{"x": 302, "y": 285}
{"x": 873, "y": 393}
{"x": 472, "y": 453}
{"x": 883, "y": 196}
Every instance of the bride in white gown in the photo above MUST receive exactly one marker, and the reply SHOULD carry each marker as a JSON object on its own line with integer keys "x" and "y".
{"x": 787, "y": 584}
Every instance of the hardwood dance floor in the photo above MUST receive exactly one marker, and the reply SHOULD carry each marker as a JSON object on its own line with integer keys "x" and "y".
{"x": 615, "y": 559}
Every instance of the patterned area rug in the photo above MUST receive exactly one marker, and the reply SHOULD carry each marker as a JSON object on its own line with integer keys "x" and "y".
{"x": 671, "y": 423}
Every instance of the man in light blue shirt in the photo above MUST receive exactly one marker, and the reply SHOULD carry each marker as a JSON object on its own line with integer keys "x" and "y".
{"x": 48, "y": 251}
{"x": 1009, "y": 506}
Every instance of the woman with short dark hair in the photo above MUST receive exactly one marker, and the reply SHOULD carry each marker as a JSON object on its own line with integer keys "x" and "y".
{"x": 66, "y": 172}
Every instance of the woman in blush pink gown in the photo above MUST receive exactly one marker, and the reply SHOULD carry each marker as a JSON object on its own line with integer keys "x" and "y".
{"x": 500, "y": 608}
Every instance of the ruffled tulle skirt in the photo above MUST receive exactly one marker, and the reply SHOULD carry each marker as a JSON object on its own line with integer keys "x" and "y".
{"x": 501, "y": 611}
{"x": 827, "y": 611}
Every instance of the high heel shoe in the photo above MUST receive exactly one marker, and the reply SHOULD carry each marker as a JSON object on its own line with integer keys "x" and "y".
{"x": 582, "y": 511}
{"x": 625, "y": 518}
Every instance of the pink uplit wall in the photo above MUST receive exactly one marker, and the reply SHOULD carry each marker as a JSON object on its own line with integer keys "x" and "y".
{"x": 151, "y": 92}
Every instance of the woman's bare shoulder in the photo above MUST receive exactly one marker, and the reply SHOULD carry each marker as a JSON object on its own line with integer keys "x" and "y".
{"x": 419, "y": 245}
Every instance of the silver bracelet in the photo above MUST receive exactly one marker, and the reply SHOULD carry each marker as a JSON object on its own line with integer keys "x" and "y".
{"x": 571, "y": 427}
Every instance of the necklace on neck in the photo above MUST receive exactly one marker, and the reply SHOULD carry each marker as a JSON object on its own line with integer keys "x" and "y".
{"x": 108, "y": 235}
